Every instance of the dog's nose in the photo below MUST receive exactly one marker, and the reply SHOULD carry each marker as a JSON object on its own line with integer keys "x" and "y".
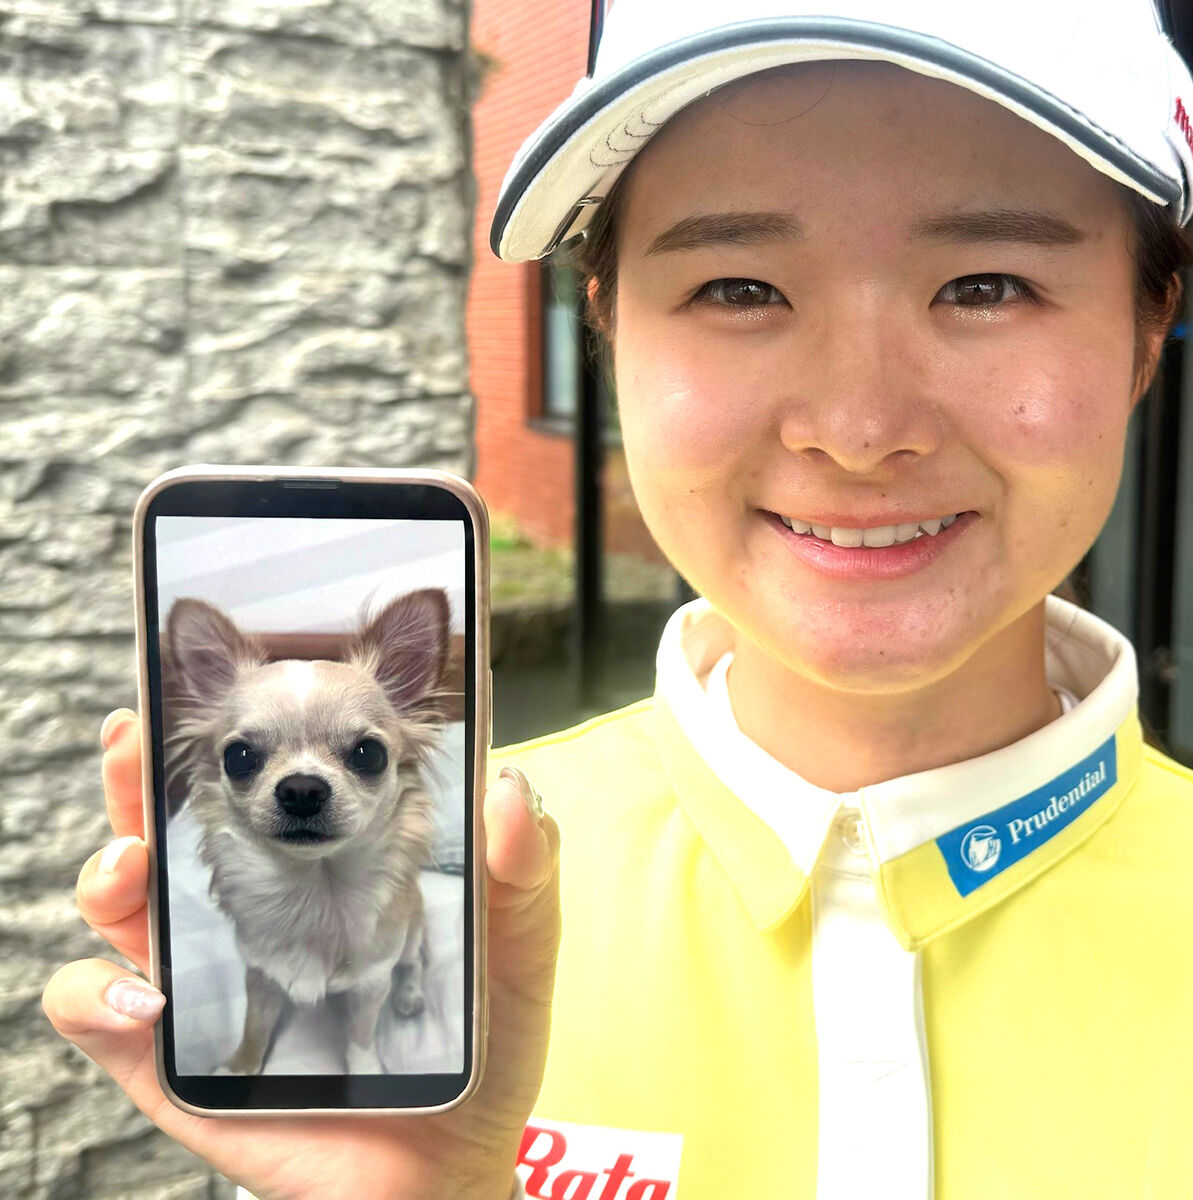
{"x": 302, "y": 795}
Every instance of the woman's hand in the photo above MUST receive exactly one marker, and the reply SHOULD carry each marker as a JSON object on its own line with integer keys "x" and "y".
{"x": 465, "y": 1153}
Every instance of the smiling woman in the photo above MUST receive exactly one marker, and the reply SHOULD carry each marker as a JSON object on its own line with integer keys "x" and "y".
{"x": 876, "y": 339}
{"x": 882, "y": 892}
{"x": 956, "y": 341}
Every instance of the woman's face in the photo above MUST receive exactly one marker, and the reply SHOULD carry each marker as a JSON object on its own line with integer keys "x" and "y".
{"x": 917, "y": 306}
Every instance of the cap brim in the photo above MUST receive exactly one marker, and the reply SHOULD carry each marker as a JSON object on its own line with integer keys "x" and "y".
{"x": 585, "y": 145}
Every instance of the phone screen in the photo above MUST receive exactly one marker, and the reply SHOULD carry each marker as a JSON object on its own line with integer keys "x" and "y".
{"x": 312, "y": 684}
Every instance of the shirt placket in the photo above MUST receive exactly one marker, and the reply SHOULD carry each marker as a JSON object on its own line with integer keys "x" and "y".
{"x": 875, "y": 1125}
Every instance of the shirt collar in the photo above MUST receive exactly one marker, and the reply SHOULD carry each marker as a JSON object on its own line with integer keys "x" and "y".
{"x": 944, "y": 844}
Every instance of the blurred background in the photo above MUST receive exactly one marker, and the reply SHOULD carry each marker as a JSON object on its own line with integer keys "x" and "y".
{"x": 257, "y": 231}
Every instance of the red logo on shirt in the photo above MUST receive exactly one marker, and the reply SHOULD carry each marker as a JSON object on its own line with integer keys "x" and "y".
{"x": 543, "y": 1151}
{"x": 1181, "y": 117}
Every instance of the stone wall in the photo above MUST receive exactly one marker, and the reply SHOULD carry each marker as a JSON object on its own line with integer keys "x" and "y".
{"x": 230, "y": 231}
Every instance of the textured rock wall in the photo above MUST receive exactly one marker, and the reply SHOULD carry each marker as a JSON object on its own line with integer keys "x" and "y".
{"x": 230, "y": 231}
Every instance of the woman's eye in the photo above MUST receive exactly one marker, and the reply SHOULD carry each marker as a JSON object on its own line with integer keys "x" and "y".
{"x": 368, "y": 756}
{"x": 974, "y": 291}
{"x": 240, "y": 760}
{"x": 739, "y": 293}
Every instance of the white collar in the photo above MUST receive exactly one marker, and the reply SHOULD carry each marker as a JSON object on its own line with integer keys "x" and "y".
{"x": 1084, "y": 656}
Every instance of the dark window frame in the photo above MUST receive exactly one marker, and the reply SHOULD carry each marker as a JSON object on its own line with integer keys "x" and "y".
{"x": 561, "y": 422}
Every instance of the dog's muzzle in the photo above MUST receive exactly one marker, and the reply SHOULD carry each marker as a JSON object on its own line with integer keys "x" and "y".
{"x": 302, "y": 795}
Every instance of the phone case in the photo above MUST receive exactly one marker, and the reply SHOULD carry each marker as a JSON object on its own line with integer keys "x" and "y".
{"x": 482, "y": 729}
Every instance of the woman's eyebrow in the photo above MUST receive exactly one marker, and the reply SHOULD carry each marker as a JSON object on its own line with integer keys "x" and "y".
{"x": 727, "y": 228}
{"x": 991, "y": 225}
{"x": 999, "y": 225}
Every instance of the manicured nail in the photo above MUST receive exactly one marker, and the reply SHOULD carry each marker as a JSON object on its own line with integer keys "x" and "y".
{"x": 534, "y": 802}
{"x": 110, "y": 722}
{"x": 113, "y": 852}
{"x": 135, "y": 998}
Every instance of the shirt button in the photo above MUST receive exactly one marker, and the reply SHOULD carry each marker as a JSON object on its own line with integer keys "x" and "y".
{"x": 851, "y": 835}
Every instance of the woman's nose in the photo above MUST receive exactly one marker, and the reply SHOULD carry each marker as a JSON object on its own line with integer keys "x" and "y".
{"x": 861, "y": 392}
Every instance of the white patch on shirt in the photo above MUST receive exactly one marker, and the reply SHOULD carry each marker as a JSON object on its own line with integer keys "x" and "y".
{"x": 559, "y": 1160}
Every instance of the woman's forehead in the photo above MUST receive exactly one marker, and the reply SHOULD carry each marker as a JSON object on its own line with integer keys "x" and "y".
{"x": 868, "y": 139}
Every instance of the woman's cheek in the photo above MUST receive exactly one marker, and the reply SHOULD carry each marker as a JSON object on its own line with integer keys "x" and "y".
{"x": 669, "y": 441}
{"x": 1067, "y": 410}
{"x": 687, "y": 418}
{"x": 1056, "y": 439}
{"x": 690, "y": 458}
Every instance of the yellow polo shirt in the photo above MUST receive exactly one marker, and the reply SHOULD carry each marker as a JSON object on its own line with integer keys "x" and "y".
{"x": 1043, "y": 898}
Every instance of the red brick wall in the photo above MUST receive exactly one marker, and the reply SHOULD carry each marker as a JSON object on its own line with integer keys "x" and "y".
{"x": 536, "y": 51}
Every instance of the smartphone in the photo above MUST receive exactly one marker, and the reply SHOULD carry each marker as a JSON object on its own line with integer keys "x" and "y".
{"x": 315, "y": 697}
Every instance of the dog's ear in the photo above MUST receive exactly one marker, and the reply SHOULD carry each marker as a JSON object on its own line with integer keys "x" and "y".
{"x": 405, "y": 646}
{"x": 207, "y": 649}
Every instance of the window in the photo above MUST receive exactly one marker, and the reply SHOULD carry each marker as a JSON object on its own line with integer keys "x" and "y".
{"x": 564, "y": 357}
{"x": 563, "y": 342}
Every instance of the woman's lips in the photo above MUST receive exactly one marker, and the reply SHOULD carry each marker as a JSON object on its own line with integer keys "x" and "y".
{"x": 872, "y": 562}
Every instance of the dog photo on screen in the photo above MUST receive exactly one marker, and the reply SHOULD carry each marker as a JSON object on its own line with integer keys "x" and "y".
{"x": 307, "y": 779}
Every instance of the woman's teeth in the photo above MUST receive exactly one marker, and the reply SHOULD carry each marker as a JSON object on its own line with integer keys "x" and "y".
{"x": 883, "y": 535}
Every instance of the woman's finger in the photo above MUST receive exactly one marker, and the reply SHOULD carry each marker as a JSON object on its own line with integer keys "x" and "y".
{"x": 111, "y": 895}
{"x": 522, "y": 853}
{"x": 521, "y": 840}
{"x": 121, "y": 738}
{"x": 109, "y": 1014}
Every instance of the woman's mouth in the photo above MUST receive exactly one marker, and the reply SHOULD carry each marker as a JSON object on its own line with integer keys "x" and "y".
{"x": 879, "y": 535}
{"x": 875, "y": 551}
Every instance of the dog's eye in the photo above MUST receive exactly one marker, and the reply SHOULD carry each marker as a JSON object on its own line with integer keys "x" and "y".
{"x": 240, "y": 759}
{"x": 368, "y": 756}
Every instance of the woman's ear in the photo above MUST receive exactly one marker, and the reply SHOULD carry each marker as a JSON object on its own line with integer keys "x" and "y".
{"x": 1149, "y": 343}
{"x": 592, "y": 294}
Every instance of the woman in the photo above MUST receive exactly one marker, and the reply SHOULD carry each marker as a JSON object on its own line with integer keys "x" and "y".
{"x": 882, "y": 891}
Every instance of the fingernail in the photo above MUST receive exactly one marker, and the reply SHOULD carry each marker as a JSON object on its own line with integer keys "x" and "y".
{"x": 113, "y": 852}
{"x": 534, "y": 802}
{"x": 110, "y": 722}
{"x": 135, "y": 998}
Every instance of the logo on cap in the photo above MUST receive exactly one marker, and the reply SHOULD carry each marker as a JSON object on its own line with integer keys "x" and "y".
{"x": 980, "y": 847}
{"x": 1181, "y": 117}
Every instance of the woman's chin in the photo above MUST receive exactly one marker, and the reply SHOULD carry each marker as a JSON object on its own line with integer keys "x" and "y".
{"x": 866, "y": 668}
{"x": 875, "y": 657}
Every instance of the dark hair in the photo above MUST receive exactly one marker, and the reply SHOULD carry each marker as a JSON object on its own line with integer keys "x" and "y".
{"x": 1160, "y": 247}
{"x": 1162, "y": 250}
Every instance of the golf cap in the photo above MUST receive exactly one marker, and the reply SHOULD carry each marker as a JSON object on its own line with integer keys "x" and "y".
{"x": 1103, "y": 78}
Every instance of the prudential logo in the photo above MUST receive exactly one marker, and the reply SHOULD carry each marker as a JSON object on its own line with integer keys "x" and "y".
{"x": 976, "y": 854}
{"x": 980, "y": 847}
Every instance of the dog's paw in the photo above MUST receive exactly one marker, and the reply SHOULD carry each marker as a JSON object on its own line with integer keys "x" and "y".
{"x": 363, "y": 1060}
{"x": 408, "y": 1000}
{"x": 242, "y": 1064}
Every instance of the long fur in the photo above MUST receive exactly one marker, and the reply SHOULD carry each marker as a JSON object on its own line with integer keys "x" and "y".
{"x": 310, "y": 922}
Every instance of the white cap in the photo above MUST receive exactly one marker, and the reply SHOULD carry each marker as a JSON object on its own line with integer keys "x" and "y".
{"x": 1103, "y": 78}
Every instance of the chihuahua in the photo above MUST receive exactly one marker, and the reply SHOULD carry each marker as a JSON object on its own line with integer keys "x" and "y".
{"x": 307, "y": 780}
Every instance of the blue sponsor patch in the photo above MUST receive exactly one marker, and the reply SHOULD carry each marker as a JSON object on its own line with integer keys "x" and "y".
{"x": 981, "y": 849}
